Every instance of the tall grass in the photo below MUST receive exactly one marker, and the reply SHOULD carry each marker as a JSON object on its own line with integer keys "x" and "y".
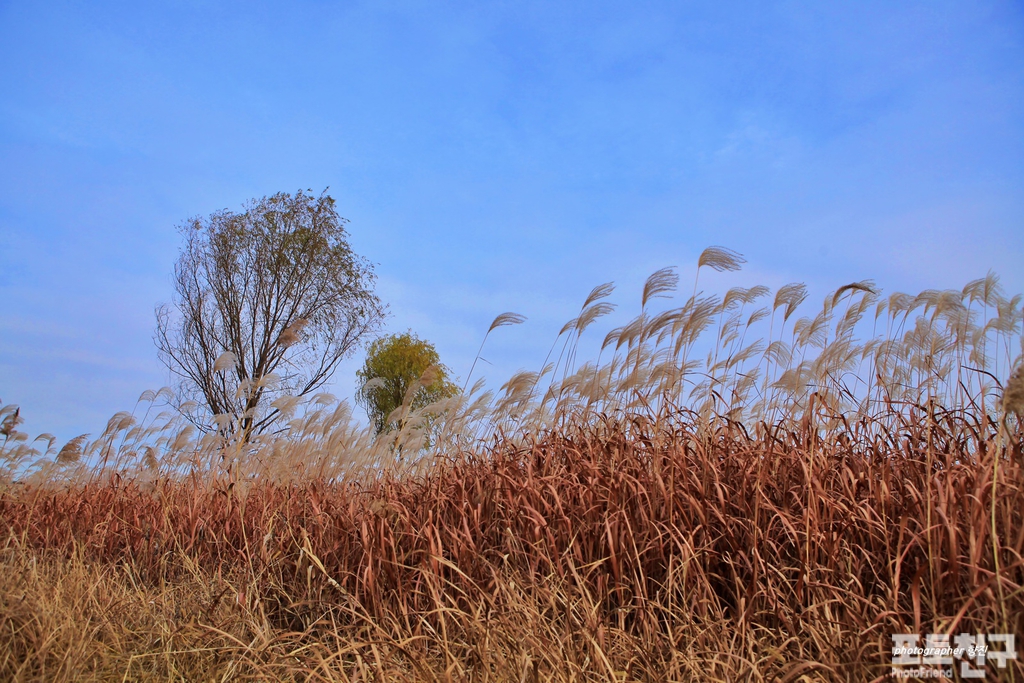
{"x": 729, "y": 491}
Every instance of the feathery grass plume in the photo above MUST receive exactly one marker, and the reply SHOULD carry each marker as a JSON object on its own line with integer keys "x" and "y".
{"x": 662, "y": 324}
{"x": 120, "y": 422}
{"x": 881, "y": 307}
{"x": 743, "y": 295}
{"x": 613, "y": 337}
{"x": 519, "y": 383}
{"x": 518, "y": 390}
{"x": 929, "y": 298}
{"x": 901, "y": 302}
{"x": 503, "y": 320}
{"x": 11, "y": 415}
{"x": 50, "y": 439}
{"x": 269, "y": 381}
{"x": 630, "y": 333}
{"x": 592, "y": 309}
{"x": 324, "y": 399}
{"x": 411, "y": 421}
{"x": 790, "y": 296}
{"x": 721, "y": 259}
{"x": 602, "y": 291}
{"x": 949, "y": 302}
{"x": 718, "y": 259}
{"x": 183, "y": 439}
{"x": 778, "y": 352}
{"x": 867, "y": 286}
{"x": 245, "y": 388}
{"x": 854, "y": 313}
{"x": 984, "y": 289}
{"x": 71, "y": 452}
{"x": 149, "y": 460}
{"x": 591, "y": 313}
{"x": 745, "y": 354}
{"x": 225, "y": 361}
{"x": 292, "y": 333}
{"x": 694, "y": 318}
{"x": 223, "y": 422}
{"x": 659, "y": 285}
{"x": 811, "y": 331}
{"x": 1013, "y": 395}
{"x": 1010, "y": 315}
{"x": 757, "y": 316}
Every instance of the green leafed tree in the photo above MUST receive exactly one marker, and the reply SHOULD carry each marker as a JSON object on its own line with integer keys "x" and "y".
{"x": 396, "y": 365}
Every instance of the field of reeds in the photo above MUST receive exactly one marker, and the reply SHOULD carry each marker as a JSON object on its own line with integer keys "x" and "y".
{"x": 728, "y": 491}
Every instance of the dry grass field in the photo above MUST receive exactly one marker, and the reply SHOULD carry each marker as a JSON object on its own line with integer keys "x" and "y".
{"x": 728, "y": 492}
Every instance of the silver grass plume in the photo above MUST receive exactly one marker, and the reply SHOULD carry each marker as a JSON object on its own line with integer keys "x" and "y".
{"x": 292, "y": 334}
{"x": 659, "y": 284}
{"x": 72, "y": 450}
{"x": 599, "y": 292}
{"x": 506, "y": 319}
{"x": 10, "y": 422}
{"x": 721, "y": 259}
{"x": 225, "y": 361}
{"x": 1013, "y": 395}
{"x": 867, "y": 286}
{"x": 790, "y": 296}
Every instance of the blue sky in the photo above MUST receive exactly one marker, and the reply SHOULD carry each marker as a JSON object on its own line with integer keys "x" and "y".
{"x": 491, "y": 157}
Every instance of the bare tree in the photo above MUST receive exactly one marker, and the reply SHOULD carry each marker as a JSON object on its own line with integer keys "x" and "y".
{"x": 267, "y": 303}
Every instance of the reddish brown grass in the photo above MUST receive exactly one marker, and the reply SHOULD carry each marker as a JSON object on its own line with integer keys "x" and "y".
{"x": 629, "y": 548}
{"x": 814, "y": 499}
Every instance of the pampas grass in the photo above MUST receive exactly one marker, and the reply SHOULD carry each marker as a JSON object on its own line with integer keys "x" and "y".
{"x": 729, "y": 491}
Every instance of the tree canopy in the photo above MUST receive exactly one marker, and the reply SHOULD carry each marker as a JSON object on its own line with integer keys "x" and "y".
{"x": 267, "y": 302}
{"x": 395, "y": 365}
